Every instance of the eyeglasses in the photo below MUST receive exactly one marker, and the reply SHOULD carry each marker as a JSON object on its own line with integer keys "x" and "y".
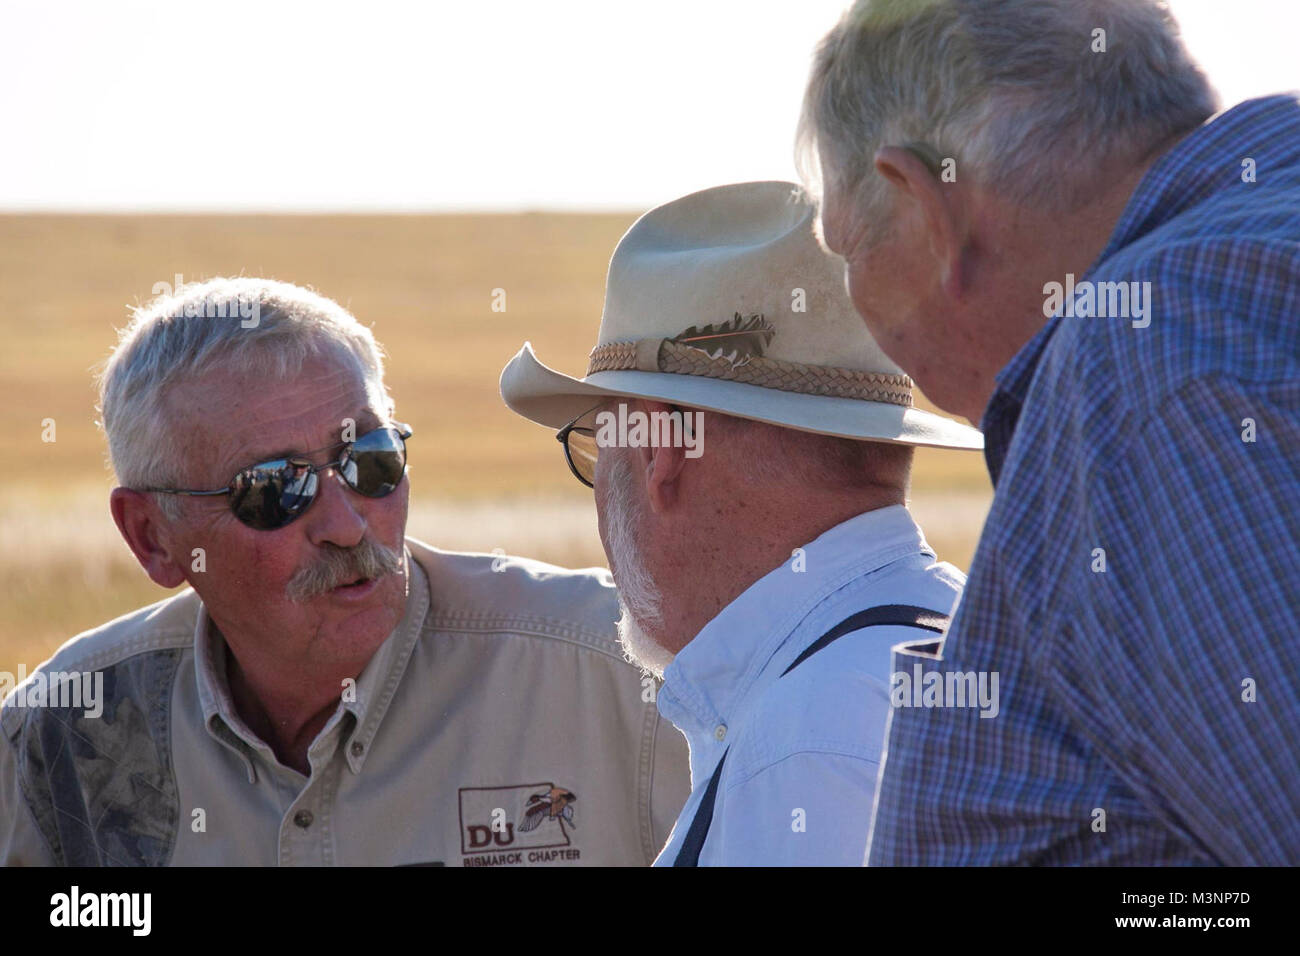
{"x": 272, "y": 494}
{"x": 580, "y": 449}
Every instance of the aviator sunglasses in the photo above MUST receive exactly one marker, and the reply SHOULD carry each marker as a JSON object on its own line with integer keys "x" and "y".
{"x": 271, "y": 494}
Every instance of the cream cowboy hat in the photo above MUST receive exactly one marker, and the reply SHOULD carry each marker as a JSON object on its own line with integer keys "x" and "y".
{"x": 723, "y": 300}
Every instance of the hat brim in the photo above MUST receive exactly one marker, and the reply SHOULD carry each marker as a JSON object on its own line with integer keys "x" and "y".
{"x": 551, "y": 398}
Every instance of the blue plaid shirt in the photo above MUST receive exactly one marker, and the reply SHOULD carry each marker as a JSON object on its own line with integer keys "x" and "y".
{"x": 1137, "y": 585}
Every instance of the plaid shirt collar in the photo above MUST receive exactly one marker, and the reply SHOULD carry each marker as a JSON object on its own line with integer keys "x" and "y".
{"x": 1202, "y": 164}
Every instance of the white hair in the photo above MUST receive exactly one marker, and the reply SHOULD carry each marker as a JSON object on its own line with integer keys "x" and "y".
{"x": 1011, "y": 90}
{"x": 639, "y": 598}
{"x": 245, "y": 325}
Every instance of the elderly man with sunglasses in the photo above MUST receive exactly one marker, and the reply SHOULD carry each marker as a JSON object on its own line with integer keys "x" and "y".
{"x": 328, "y": 691}
{"x": 765, "y": 563}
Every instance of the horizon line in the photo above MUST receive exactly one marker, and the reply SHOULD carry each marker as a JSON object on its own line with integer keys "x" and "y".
{"x": 378, "y": 210}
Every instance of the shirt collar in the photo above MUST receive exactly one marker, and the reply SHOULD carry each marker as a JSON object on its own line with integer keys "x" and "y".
{"x": 1003, "y": 412}
{"x": 709, "y": 678}
{"x": 1207, "y": 161}
{"x": 1203, "y": 163}
{"x": 374, "y": 688}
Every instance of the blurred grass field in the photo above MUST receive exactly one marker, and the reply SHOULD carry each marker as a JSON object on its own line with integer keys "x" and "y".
{"x": 482, "y": 478}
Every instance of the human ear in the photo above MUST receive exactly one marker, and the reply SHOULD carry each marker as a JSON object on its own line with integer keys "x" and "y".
{"x": 663, "y": 465}
{"x": 938, "y": 206}
{"x": 138, "y": 519}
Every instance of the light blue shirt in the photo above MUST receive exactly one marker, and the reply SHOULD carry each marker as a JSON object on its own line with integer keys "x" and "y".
{"x": 803, "y": 751}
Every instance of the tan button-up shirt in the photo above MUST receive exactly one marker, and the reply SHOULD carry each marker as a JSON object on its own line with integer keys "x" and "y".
{"x": 498, "y": 725}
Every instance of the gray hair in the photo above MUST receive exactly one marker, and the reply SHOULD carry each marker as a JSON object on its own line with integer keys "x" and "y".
{"x": 245, "y": 325}
{"x": 1011, "y": 90}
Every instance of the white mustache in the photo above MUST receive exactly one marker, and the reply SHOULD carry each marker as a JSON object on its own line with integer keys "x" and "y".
{"x": 336, "y": 566}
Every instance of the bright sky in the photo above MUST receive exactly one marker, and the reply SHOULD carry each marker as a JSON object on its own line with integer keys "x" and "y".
{"x": 475, "y": 104}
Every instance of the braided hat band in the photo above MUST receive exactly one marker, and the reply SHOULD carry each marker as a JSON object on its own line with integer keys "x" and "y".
{"x": 665, "y": 355}
{"x": 776, "y": 339}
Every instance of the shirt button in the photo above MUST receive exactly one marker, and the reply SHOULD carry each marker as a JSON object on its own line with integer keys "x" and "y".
{"x": 358, "y": 748}
{"x": 303, "y": 818}
{"x": 720, "y": 732}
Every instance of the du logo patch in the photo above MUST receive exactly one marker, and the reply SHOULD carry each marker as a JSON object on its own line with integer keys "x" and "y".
{"x": 517, "y": 824}
{"x": 553, "y": 804}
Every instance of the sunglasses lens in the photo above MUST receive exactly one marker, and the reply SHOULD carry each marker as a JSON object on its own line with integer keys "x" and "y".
{"x": 271, "y": 495}
{"x": 582, "y": 449}
{"x": 376, "y": 463}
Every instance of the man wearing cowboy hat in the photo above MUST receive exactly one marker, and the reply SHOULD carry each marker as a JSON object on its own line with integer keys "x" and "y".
{"x": 745, "y": 550}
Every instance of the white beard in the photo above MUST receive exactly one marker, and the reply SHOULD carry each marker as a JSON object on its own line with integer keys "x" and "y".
{"x": 638, "y": 597}
{"x": 639, "y": 647}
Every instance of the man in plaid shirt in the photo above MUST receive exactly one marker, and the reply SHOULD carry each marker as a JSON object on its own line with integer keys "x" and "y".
{"x": 1046, "y": 223}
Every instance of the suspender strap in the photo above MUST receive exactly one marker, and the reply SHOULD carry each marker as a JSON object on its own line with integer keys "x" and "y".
{"x": 887, "y": 615}
{"x": 890, "y": 615}
{"x": 694, "y": 842}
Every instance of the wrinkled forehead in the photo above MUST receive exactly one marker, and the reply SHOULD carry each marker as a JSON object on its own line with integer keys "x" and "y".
{"x": 230, "y": 418}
